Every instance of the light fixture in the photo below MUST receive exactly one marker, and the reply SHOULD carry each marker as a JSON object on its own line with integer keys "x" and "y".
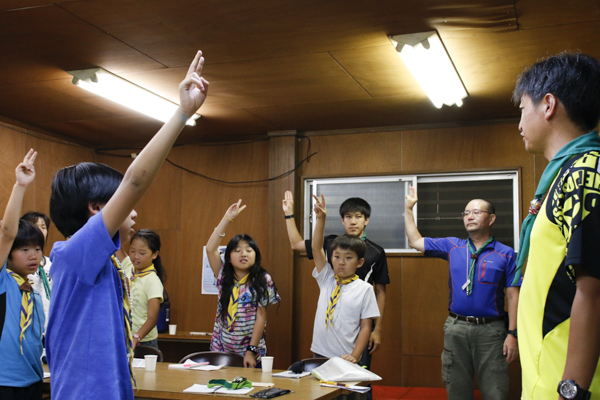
{"x": 112, "y": 87}
{"x": 425, "y": 56}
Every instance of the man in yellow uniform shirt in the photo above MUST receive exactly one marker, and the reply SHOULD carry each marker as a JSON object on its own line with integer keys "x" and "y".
{"x": 559, "y": 305}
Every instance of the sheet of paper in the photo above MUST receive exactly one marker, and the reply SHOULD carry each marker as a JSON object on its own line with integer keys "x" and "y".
{"x": 196, "y": 366}
{"x": 208, "y": 367}
{"x": 290, "y": 374}
{"x": 46, "y": 375}
{"x": 359, "y": 389}
{"x": 196, "y": 388}
{"x": 139, "y": 363}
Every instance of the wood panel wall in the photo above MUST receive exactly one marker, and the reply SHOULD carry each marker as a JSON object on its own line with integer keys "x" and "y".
{"x": 417, "y": 298}
{"x": 52, "y": 156}
{"x": 184, "y": 208}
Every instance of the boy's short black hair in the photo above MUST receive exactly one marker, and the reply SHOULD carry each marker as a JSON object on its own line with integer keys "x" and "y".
{"x": 347, "y": 242}
{"x": 574, "y": 79}
{"x": 33, "y": 217}
{"x": 354, "y": 204}
{"x": 28, "y": 235}
{"x": 74, "y": 188}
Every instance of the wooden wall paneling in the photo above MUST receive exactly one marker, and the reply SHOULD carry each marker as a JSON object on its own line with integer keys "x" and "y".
{"x": 203, "y": 204}
{"x": 282, "y": 158}
{"x": 425, "y": 300}
{"x": 306, "y": 295}
{"x": 387, "y": 362}
{"x": 12, "y": 151}
{"x": 455, "y": 149}
{"x": 359, "y": 154}
{"x": 52, "y": 156}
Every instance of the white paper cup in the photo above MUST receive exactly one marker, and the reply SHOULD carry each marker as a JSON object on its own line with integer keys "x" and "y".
{"x": 267, "y": 363}
{"x": 172, "y": 329}
{"x": 150, "y": 362}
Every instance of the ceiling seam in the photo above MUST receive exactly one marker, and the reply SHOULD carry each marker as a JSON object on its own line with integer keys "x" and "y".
{"x": 112, "y": 36}
{"x": 350, "y": 75}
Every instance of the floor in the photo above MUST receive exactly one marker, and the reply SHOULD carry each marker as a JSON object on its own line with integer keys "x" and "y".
{"x": 411, "y": 393}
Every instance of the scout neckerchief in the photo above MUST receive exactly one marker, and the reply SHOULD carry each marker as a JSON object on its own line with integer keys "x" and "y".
{"x": 44, "y": 277}
{"x": 126, "y": 317}
{"x": 233, "y": 300}
{"x": 26, "y": 304}
{"x": 142, "y": 273}
{"x": 335, "y": 296}
{"x": 468, "y": 286}
{"x": 584, "y": 143}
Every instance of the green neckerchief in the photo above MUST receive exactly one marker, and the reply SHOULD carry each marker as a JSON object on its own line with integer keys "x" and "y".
{"x": 584, "y": 143}
{"x": 364, "y": 236}
{"x": 44, "y": 277}
{"x": 474, "y": 255}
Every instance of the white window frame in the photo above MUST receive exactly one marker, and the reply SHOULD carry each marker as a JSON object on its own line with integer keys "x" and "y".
{"x": 311, "y": 186}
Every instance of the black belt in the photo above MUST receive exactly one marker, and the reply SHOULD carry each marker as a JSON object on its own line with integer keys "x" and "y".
{"x": 476, "y": 320}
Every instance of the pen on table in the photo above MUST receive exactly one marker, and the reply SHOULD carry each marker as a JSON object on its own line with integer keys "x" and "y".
{"x": 335, "y": 383}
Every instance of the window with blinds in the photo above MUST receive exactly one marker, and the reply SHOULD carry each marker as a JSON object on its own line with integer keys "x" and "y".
{"x": 442, "y": 197}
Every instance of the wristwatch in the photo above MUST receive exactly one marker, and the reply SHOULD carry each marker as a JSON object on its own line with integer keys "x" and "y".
{"x": 135, "y": 335}
{"x": 570, "y": 390}
{"x": 253, "y": 349}
{"x": 513, "y": 332}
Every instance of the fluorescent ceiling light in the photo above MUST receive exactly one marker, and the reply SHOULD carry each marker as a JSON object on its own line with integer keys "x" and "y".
{"x": 425, "y": 56}
{"x": 112, "y": 87}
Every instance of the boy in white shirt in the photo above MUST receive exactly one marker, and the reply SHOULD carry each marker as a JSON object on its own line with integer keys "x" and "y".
{"x": 346, "y": 304}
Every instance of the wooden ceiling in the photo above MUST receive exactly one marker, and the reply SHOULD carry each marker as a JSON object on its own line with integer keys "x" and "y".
{"x": 272, "y": 64}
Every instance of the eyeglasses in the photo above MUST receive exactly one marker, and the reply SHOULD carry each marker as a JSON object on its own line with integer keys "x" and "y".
{"x": 476, "y": 213}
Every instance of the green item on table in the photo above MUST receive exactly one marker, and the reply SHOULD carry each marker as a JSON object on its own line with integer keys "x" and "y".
{"x": 237, "y": 383}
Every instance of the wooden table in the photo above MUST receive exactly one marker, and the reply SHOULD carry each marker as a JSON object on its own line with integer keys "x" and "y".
{"x": 169, "y": 384}
{"x": 175, "y": 347}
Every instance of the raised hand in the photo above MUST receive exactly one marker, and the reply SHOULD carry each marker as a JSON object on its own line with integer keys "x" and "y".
{"x": 194, "y": 88}
{"x": 320, "y": 209}
{"x": 288, "y": 203}
{"x": 411, "y": 198}
{"x": 25, "y": 171}
{"x": 234, "y": 210}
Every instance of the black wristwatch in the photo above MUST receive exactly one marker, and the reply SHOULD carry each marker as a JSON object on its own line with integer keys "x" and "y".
{"x": 253, "y": 349}
{"x": 513, "y": 332}
{"x": 570, "y": 390}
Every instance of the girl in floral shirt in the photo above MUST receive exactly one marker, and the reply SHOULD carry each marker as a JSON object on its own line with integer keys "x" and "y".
{"x": 245, "y": 290}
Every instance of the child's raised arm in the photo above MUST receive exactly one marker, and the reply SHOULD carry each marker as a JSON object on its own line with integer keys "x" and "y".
{"x": 10, "y": 222}
{"x": 139, "y": 175}
{"x": 212, "y": 247}
{"x": 319, "y": 234}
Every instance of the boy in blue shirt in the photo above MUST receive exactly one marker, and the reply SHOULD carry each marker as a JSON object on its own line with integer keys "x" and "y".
{"x": 89, "y": 346}
{"x": 346, "y": 304}
{"x": 21, "y": 309}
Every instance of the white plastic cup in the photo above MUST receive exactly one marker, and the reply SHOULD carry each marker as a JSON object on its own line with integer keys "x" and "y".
{"x": 172, "y": 329}
{"x": 150, "y": 362}
{"x": 267, "y": 363}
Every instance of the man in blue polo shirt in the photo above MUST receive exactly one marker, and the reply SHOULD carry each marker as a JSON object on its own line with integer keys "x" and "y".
{"x": 476, "y": 341}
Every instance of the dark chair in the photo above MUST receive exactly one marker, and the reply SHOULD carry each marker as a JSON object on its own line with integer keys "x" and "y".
{"x": 141, "y": 351}
{"x": 312, "y": 363}
{"x": 215, "y": 358}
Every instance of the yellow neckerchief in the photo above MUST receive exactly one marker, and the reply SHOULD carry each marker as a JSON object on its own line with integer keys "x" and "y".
{"x": 233, "y": 300}
{"x": 142, "y": 273}
{"x": 26, "y": 304}
{"x": 126, "y": 317}
{"x": 335, "y": 296}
